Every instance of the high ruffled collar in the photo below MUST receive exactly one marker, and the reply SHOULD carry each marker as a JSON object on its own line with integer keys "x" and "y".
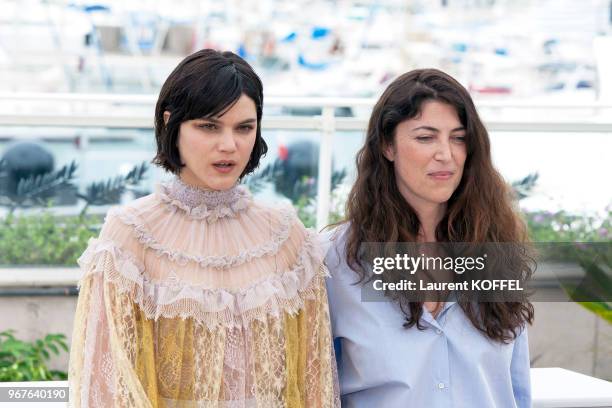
{"x": 200, "y": 203}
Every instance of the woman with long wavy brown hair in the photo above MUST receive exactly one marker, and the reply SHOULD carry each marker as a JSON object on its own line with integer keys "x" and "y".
{"x": 425, "y": 175}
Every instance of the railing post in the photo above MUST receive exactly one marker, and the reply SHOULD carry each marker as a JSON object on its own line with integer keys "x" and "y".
{"x": 325, "y": 166}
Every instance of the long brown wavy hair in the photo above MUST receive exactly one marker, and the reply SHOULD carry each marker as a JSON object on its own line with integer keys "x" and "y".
{"x": 480, "y": 210}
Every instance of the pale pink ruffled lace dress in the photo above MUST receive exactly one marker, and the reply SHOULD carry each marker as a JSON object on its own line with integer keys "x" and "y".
{"x": 198, "y": 298}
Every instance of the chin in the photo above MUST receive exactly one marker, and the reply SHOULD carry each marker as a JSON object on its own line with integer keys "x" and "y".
{"x": 440, "y": 199}
{"x": 214, "y": 181}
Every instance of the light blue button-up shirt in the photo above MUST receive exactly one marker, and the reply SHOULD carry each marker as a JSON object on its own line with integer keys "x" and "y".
{"x": 449, "y": 364}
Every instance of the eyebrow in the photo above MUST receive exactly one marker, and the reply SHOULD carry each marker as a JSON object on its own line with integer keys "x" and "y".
{"x": 244, "y": 122}
{"x": 433, "y": 129}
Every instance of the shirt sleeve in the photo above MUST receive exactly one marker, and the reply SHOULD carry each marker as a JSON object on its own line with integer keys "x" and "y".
{"x": 519, "y": 371}
{"x": 339, "y": 299}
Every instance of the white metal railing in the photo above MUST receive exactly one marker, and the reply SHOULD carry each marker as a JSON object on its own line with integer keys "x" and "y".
{"x": 136, "y": 112}
{"x": 286, "y": 101}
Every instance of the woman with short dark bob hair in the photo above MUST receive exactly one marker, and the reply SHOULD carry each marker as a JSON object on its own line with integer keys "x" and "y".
{"x": 196, "y": 295}
{"x": 425, "y": 175}
{"x": 188, "y": 95}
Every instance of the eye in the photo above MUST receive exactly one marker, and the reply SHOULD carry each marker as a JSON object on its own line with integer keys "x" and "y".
{"x": 424, "y": 138}
{"x": 459, "y": 139}
{"x": 245, "y": 128}
{"x": 208, "y": 126}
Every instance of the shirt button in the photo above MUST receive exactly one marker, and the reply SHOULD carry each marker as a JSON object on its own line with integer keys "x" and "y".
{"x": 441, "y": 385}
{"x": 438, "y": 331}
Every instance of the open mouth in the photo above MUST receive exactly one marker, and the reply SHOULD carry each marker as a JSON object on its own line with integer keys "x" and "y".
{"x": 224, "y": 164}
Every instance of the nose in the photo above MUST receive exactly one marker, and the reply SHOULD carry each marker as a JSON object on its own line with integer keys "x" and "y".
{"x": 443, "y": 151}
{"x": 227, "y": 142}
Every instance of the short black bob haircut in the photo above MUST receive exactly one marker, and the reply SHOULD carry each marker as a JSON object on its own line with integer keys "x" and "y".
{"x": 205, "y": 84}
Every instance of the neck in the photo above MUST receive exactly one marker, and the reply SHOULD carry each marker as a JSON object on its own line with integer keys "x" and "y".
{"x": 188, "y": 179}
{"x": 430, "y": 215}
{"x": 194, "y": 195}
{"x": 202, "y": 203}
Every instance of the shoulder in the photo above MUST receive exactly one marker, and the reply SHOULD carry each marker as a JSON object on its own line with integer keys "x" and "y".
{"x": 335, "y": 257}
{"x": 281, "y": 214}
{"x": 336, "y": 239}
{"x": 272, "y": 208}
{"x": 135, "y": 206}
{"x": 122, "y": 220}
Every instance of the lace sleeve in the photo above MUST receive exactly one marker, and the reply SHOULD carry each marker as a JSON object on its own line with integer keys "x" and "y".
{"x": 321, "y": 377}
{"x": 90, "y": 354}
{"x": 100, "y": 370}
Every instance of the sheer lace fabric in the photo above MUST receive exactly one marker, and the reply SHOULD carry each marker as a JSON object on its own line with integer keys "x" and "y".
{"x": 180, "y": 309}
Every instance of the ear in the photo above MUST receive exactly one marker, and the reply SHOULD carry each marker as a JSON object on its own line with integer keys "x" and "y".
{"x": 389, "y": 152}
{"x": 166, "y": 119}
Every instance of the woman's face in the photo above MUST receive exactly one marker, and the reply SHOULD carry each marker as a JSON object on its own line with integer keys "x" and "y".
{"x": 428, "y": 154}
{"x": 216, "y": 150}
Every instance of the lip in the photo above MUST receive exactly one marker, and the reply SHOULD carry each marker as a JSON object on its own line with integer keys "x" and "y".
{"x": 224, "y": 170}
{"x": 441, "y": 175}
